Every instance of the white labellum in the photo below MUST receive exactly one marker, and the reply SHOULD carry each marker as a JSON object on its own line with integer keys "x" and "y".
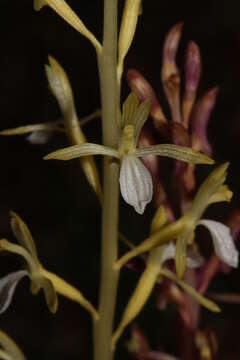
{"x": 135, "y": 183}
{"x": 194, "y": 258}
{"x": 222, "y": 241}
{"x": 7, "y": 288}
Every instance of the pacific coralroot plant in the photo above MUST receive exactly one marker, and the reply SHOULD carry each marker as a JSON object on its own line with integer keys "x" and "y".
{"x": 168, "y": 262}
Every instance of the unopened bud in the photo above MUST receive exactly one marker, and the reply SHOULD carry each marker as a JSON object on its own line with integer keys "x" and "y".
{"x": 170, "y": 73}
{"x": 200, "y": 118}
{"x": 138, "y": 343}
{"x": 192, "y": 75}
{"x": 170, "y": 48}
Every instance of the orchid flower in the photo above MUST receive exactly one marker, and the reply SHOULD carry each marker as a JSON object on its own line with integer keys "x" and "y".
{"x": 70, "y": 125}
{"x": 152, "y": 274}
{"x": 40, "y": 278}
{"x": 211, "y": 191}
{"x": 135, "y": 180}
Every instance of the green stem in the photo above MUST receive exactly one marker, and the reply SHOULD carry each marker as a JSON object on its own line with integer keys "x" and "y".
{"x": 107, "y": 61}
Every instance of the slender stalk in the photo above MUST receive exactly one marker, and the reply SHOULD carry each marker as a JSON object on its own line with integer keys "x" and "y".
{"x": 107, "y": 61}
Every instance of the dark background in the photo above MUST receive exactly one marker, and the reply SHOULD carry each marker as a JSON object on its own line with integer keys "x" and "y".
{"x": 55, "y": 199}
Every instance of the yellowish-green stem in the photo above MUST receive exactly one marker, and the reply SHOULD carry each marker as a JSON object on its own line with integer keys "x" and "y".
{"x": 107, "y": 62}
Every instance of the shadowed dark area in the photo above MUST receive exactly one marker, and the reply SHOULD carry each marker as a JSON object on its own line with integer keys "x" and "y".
{"x": 55, "y": 199}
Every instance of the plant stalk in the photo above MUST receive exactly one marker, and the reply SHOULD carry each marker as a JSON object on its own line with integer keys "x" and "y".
{"x": 107, "y": 62}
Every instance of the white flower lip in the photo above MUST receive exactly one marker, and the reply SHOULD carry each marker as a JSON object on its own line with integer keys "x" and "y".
{"x": 8, "y": 286}
{"x": 194, "y": 258}
{"x": 222, "y": 241}
{"x": 135, "y": 183}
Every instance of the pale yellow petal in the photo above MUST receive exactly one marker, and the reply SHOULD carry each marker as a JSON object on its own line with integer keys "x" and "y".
{"x": 23, "y": 234}
{"x": 49, "y": 126}
{"x": 167, "y": 233}
{"x": 207, "y": 191}
{"x": 127, "y": 30}
{"x": 65, "y": 11}
{"x": 176, "y": 152}
{"x": 65, "y": 289}
{"x": 76, "y": 151}
{"x": 159, "y": 219}
{"x": 210, "y": 305}
{"x": 5, "y": 245}
{"x": 12, "y": 349}
{"x": 41, "y": 282}
{"x": 129, "y": 109}
{"x": 141, "y": 293}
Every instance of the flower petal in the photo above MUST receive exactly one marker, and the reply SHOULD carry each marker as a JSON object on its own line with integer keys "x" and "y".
{"x": 181, "y": 251}
{"x": 129, "y": 109}
{"x": 41, "y": 282}
{"x": 208, "y": 191}
{"x": 75, "y": 151}
{"x": 39, "y": 137}
{"x": 141, "y": 117}
{"x": 141, "y": 293}
{"x": 7, "y": 288}
{"x": 32, "y": 262}
{"x": 23, "y": 234}
{"x": 222, "y": 241}
{"x": 175, "y": 152}
{"x": 25, "y": 129}
{"x": 210, "y": 305}
{"x": 194, "y": 258}
{"x": 11, "y": 349}
{"x": 168, "y": 252}
{"x": 65, "y": 11}
{"x": 60, "y": 86}
{"x": 135, "y": 183}
{"x": 5, "y": 356}
{"x": 38, "y": 4}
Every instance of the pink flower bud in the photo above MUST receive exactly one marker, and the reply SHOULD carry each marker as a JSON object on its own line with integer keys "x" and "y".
{"x": 200, "y": 119}
{"x": 170, "y": 73}
{"x": 138, "y": 344}
{"x": 192, "y": 75}
{"x": 170, "y": 48}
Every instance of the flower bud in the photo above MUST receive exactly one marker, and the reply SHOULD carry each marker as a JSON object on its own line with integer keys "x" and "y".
{"x": 200, "y": 118}
{"x": 192, "y": 75}
{"x": 170, "y": 73}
